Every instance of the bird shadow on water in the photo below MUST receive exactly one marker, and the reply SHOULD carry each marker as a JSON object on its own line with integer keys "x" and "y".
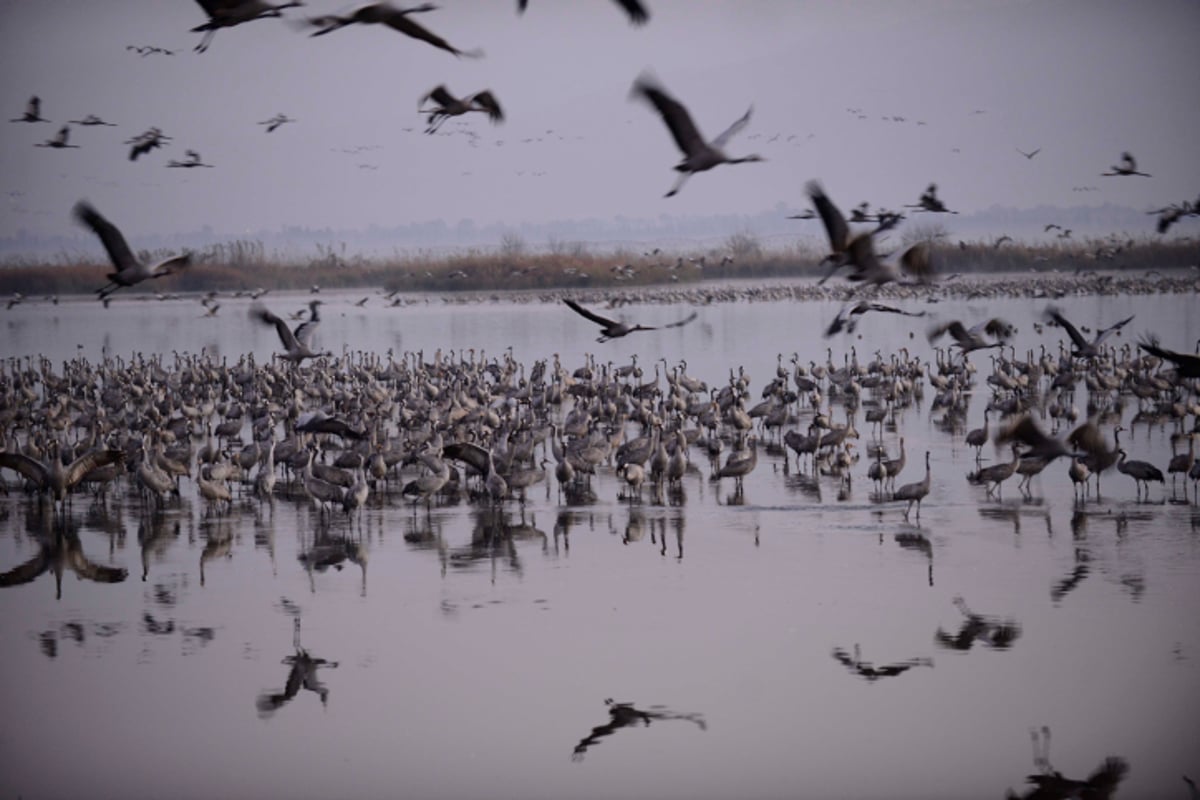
{"x": 996, "y": 633}
{"x": 624, "y": 715}
{"x": 302, "y": 674}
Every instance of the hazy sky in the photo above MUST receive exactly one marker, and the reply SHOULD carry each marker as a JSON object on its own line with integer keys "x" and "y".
{"x": 1082, "y": 80}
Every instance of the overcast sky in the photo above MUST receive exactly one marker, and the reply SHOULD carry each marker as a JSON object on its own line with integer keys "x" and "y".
{"x": 1082, "y": 80}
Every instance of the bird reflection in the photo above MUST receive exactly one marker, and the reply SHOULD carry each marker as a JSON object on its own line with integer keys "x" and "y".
{"x": 154, "y": 536}
{"x": 301, "y": 675}
{"x": 1050, "y": 784}
{"x": 867, "y": 670}
{"x": 993, "y": 632}
{"x": 333, "y": 551}
{"x": 622, "y": 715}
{"x": 915, "y": 540}
{"x": 59, "y": 548}
{"x": 1067, "y": 585}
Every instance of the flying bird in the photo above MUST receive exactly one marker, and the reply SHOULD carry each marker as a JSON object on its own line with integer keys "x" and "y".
{"x": 638, "y": 13}
{"x": 614, "y": 329}
{"x": 973, "y": 338}
{"x": 91, "y": 119}
{"x": 698, "y": 155}
{"x": 395, "y": 18}
{"x": 1082, "y": 347}
{"x": 847, "y": 317}
{"x": 275, "y": 121}
{"x": 193, "y": 160}
{"x": 447, "y": 105}
{"x": 33, "y": 111}
{"x": 929, "y": 201}
{"x": 296, "y": 343}
{"x": 227, "y": 13}
{"x": 1186, "y": 365}
{"x": 145, "y": 142}
{"x": 59, "y": 140}
{"x": 129, "y": 269}
{"x": 1128, "y": 166}
{"x": 1029, "y": 155}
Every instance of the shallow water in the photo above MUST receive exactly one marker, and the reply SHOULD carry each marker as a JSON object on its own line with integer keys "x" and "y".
{"x": 469, "y": 653}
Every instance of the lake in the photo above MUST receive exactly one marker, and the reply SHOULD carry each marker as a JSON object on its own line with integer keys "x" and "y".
{"x": 799, "y": 638}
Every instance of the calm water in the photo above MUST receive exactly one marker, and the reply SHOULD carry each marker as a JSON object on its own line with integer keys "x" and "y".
{"x": 469, "y": 653}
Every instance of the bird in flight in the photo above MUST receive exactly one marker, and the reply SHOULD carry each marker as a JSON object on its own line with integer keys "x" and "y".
{"x": 33, "y": 111}
{"x": 91, "y": 119}
{"x": 698, "y": 155}
{"x": 275, "y": 121}
{"x": 59, "y": 140}
{"x": 1082, "y": 347}
{"x": 129, "y": 269}
{"x": 929, "y": 201}
{"x": 614, "y": 329}
{"x": 227, "y": 13}
{"x": 145, "y": 142}
{"x": 1128, "y": 166}
{"x": 638, "y": 13}
{"x": 847, "y": 317}
{"x": 447, "y": 106}
{"x": 296, "y": 343}
{"x": 395, "y": 18}
{"x": 1029, "y": 155}
{"x": 968, "y": 339}
{"x": 192, "y": 160}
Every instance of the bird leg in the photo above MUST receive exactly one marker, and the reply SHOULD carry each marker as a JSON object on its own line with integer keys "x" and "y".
{"x": 683, "y": 176}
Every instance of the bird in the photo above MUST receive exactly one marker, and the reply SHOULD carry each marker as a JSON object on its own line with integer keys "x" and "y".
{"x": 59, "y": 140}
{"x": 1023, "y": 429}
{"x": 914, "y": 492}
{"x": 54, "y": 478}
{"x": 1141, "y": 472}
{"x": 1186, "y": 364}
{"x": 275, "y": 121}
{"x": 698, "y": 155}
{"x": 395, "y": 18}
{"x": 847, "y": 316}
{"x": 319, "y": 422}
{"x": 145, "y": 142}
{"x": 978, "y": 437}
{"x": 129, "y": 269}
{"x": 991, "y": 477}
{"x": 638, "y": 13}
{"x": 929, "y": 201}
{"x": 193, "y": 160}
{"x": 969, "y": 339}
{"x": 614, "y": 329}
{"x": 916, "y": 261}
{"x": 1128, "y": 166}
{"x": 1082, "y": 347}
{"x": 297, "y": 344}
{"x": 1029, "y": 155}
{"x": 227, "y": 13}
{"x": 865, "y": 669}
{"x": 447, "y": 105}
{"x": 33, "y": 111}
{"x": 90, "y": 120}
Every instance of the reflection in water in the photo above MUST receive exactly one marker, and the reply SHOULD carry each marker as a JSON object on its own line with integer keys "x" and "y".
{"x": 1050, "y": 784}
{"x": 494, "y": 535}
{"x": 154, "y": 536}
{"x": 59, "y": 548}
{"x": 76, "y": 632}
{"x": 918, "y": 542}
{"x": 993, "y": 632}
{"x": 1067, "y": 585}
{"x": 623, "y": 715}
{"x": 333, "y": 551}
{"x": 302, "y": 674}
{"x": 867, "y": 670}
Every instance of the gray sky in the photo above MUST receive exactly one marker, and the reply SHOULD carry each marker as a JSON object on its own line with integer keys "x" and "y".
{"x": 1082, "y": 80}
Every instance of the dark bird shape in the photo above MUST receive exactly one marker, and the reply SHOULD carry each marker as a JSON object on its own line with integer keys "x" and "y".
{"x": 847, "y": 316}
{"x": 33, "y": 111}
{"x": 698, "y": 155}
{"x": 622, "y": 715}
{"x": 993, "y": 632}
{"x": 129, "y": 269}
{"x": 835, "y": 224}
{"x": 1142, "y": 472}
{"x": 1128, "y": 166}
{"x": 614, "y": 329}
{"x": 52, "y": 477}
{"x": 867, "y": 670}
{"x": 917, "y": 262}
{"x": 296, "y": 343}
{"x": 322, "y": 423}
{"x": 59, "y": 140}
{"x": 228, "y": 13}
{"x": 1100, "y": 785}
{"x": 447, "y": 105}
{"x": 91, "y": 119}
{"x": 274, "y": 122}
{"x": 1031, "y": 154}
{"x": 638, "y": 13}
{"x": 59, "y": 550}
{"x": 1082, "y": 347}
{"x": 145, "y": 142}
{"x": 395, "y": 18}
{"x": 1023, "y": 429}
{"x": 929, "y": 201}
{"x": 1186, "y": 365}
{"x": 973, "y": 338}
{"x": 192, "y": 160}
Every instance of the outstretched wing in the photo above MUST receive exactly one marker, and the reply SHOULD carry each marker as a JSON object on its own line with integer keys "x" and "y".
{"x": 681, "y": 322}
{"x": 489, "y": 103}
{"x": 469, "y": 453}
{"x": 953, "y": 327}
{"x": 835, "y": 224}
{"x": 401, "y": 22}
{"x": 596, "y": 318}
{"x": 678, "y": 120}
{"x": 114, "y": 243}
{"x": 440, "y": 95}
{"x": 90, "y": 461}
{"x": 1104, "y": 334}
{"x": 1187, "y": 364}
{"x": 1053, "y": 313}
{"x": 261, "y": 313}
{"x": 918, "y": 262}
{"x": 25, "y": 465}
{"x": 724, "y": 136}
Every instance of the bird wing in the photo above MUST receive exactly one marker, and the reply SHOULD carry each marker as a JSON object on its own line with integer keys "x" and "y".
{"x": 1023, "y": 430}
{"x": 953, "y": 327}
{"x": 490, "y": 104}
{"x": 677, "y": 119}
{"x": 1188, "y": 364}
{"x": 596, "y": 318}
{"x": 440, "y": 95}
{"x": 328, "y": 23}
{"x": 400, "y": 22}
{"x": 996, "y": 328}
{"x": 724, "y": 136}
{"x": 304, "y": 331}
{"x": 1104, "y": 334}
{"x": 918, "y": 261}
{"x": 260, "y": 312}
{"x": 888, "y": 309}
{"x": 1102, "y": 783}
{"x": 682, "y": 322}
{"x": 30, "y": 468}
{"x": 1087, "y": 437}
{"x": 468, "y": 453}
{"x": 114, "y": 242}
{"x": 89, "y": 461}
{"x": 835, "y": 224}
{"x": 1054, "y": 314}
{"x": 638, "y": 13}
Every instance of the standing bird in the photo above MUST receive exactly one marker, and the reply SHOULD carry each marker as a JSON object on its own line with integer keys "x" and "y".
{"x": 914, "y": 492}
{"x": 698, "y": 155}
{"x": 1082, "y": 347}
{"x": 33, "y": 111}
{"x": 275, "y": 121}
{"x": 395, "y": 18}
{"x": 447, "y": 105}
{"x": 614, "y": 329}
{"x": 638, "y": 13}
{"x": 53, "y": 477}
{"x": 129, "y": 269}
{"x": 59, "y": 140}
{"x": 1141, "y": 472}
{"x": 297, "y": 344}
{"x": 1128, "y": 166}
{"x": 227, "y": 13}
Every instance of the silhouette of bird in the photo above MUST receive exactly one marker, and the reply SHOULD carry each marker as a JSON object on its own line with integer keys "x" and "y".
{"x": 52, "y": 477}
{"x": 1023, "y": 429}
{"x": 447, "y": 105}
{"x": 145, "y": 142}
{"x": 614, "y": 329}
{"x": 274, "y": 122}
{"x": 90, "y": 120}
{"x": 1082, "y": 347}
{"x": 969, "y": 339}
{"x": 1128, "y": 166}
{"x": 698, "y": 155}
{"x": 638, "y": 13}
{"x": 865, "y": 669}
{"x": 847, "y": 316}
{"x": 1186, "y": 365}
{"x": 1142, "y": 472}
{"x": 395, "y": 18}
{"x": 129, "y": 269}
{"x": 193, "y": 160}
{"x": 59, "y": 140}
{"x": 297, "y": 343}
{"x": 228, "y": 13}
{"x": 914, "y": 492}
{"x": 33, "y": 111}
{"x": 929, "y": 201}
{"x": 1031, "y": 154}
